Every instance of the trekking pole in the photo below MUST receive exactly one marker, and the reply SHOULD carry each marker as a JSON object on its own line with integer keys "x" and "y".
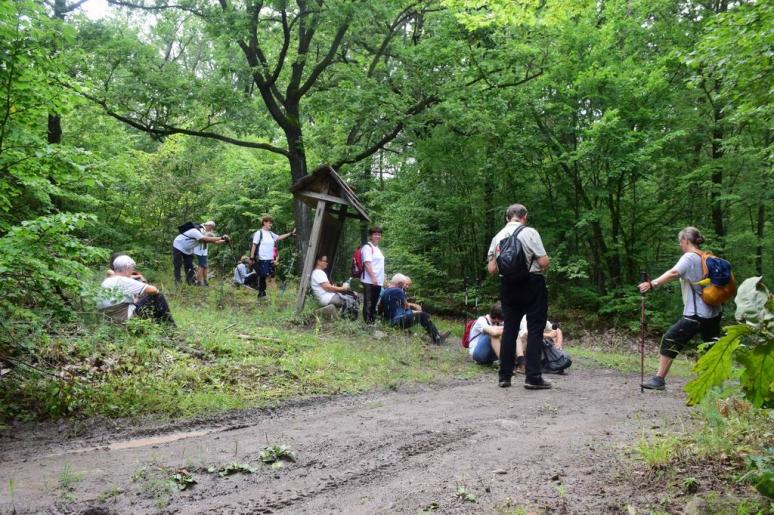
{"x": 643, "y": 278}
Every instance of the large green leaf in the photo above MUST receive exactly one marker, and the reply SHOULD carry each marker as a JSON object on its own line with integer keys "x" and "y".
{"x": 714, "y": 367}
{"x": 751, "y": 299}
{"x": 758, "y": 376}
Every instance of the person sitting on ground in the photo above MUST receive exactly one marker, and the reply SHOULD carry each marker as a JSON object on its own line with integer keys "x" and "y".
{"x": 183, "y": 248}
{"x": 484, "y": 336}
{"x": 243, "y": 276}
{"x": 324, "y": 291}
{"x": 398, "y": 313}
{"x": 201, "y": 252}
{"x": 128, "y": 294}
{"x": 551, "y": 332}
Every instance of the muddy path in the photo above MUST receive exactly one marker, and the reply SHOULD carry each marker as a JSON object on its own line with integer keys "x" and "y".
{"x": 559, "y": 451}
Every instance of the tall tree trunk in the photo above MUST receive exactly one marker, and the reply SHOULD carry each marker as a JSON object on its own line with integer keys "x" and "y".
{"x": 717, "y": 177}
{"x": 759, "y": 234}
{"x": 298, "y": 170}
{"x": 54, "y": 120}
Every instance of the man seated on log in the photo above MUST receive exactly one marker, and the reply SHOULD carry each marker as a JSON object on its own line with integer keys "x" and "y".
{"x": 126, "y": 293}
{"x": 328, "y": 293}
{"x": 399, "y": 313}
{"x": 242, "y": 274}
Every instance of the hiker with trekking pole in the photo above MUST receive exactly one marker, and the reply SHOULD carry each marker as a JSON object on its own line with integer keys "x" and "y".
{"x": 706, "y": 282}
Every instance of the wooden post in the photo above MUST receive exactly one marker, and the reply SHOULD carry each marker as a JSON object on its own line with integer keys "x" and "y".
{"x": 311, "y": 251}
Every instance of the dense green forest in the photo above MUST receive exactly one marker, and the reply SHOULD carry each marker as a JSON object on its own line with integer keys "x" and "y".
{"x": 615, "y": 122}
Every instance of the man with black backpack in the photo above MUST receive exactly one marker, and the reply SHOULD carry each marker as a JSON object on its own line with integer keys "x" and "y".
{"x": 517, "y": 255}
{"x": 190, "y": 237}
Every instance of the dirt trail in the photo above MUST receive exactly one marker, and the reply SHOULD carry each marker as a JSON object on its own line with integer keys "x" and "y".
{"x": 562, "y": 450}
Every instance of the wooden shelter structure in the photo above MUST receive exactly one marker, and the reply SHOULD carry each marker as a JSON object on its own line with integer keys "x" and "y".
{"x": 333, "y": 202}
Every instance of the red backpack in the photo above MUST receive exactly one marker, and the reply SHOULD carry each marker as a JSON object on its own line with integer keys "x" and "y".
{"x": 465, "y": 342}
{"x": 357, "y": 269}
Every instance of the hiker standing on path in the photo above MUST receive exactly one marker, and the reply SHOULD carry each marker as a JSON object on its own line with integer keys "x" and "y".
{"x": 373, "y": 273}
{"x": 698, "y": 317}
{"x": 262, "y": 251}
{"x": 183, "y": 247}
{"x": 523, "y": 296}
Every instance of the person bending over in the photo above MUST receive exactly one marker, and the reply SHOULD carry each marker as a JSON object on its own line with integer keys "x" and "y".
{"x": 398, "y": 313}
{"x": 485, "y": 334}
{"x": 242, "y": 274}
{"x": 183, "y": 249}
{"x": 126, "y": 293}
{"x": 698, "y": 318}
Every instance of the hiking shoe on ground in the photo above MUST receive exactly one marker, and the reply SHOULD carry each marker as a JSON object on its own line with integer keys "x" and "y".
{"x": 539, "y": 384}
{"x": 654, "y": 383}
{"x": 504, "y": 382}
{"x": 442, "y": 338}
{"x": 520, "y": 369}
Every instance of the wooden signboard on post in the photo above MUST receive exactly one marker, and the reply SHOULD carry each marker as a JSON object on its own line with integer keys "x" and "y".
{"x": 326, "y": 192}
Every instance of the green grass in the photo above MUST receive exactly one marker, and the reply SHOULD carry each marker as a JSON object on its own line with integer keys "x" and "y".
{"x": 630, "y": 363}
{"x": 253, "y": 354}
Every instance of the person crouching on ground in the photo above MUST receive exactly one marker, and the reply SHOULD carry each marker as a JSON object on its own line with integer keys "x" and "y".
{"x": 398, "y": 313}
{"x": 126, "y": 293}
{"x": 242, "y": 274}
{"x": 698, "y": 317}
{"x": 551, "y": 332}
{"x": 485, "y": 334}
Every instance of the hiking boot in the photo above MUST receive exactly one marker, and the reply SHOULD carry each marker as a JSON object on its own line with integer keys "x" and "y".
{"x": 654, "y": 383}
{"x": 441, "y": 338}
{"x": 520, "y": 369}
{"x": 504, "y": 382}
{"x": 537, "y": 384}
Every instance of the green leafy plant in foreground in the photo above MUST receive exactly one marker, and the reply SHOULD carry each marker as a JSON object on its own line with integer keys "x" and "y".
{"x": 761, "y": 472}
{"x": 232, "y": 468}
{"x": 276, "y": 455}
{"x": 750, "y": 343}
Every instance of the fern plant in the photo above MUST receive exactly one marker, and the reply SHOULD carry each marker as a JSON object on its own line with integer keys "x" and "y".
{"x": 750, "y": 343}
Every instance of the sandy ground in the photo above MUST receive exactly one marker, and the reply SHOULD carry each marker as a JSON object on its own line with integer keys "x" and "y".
{"x": 564, "y": 450}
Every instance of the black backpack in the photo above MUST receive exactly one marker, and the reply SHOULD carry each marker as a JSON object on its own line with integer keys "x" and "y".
{"x": 554, "y": 360}
{"x": 182, "y": 229}
{"x": 512, "y": 261}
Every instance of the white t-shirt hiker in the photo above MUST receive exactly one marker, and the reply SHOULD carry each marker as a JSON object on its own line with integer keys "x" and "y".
{"x": 476, "y": 330}
{"x": 531, "y": 242}
{"x": 372, "y": 254}
{"x": 319, "y": 277}
{"x": 689, "y": 269}
{"x": 188, "y": 241}
{"x": 265, "y": 250}
{"x": 120, "y": 295}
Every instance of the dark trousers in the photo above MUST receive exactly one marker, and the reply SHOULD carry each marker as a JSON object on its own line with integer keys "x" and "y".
{"x": 679, "y": 335}
{"x": 264, "y": 268}
{"x": 252, "y": 280}
{"x": 528, "y": 298}
{"x": 371, "y": 294}
{"x": 408, "y": 319}
{"x": 154, "y": 307}
{"x": 178, "y": 260}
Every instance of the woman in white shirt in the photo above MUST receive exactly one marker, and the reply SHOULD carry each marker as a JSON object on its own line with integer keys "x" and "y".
{"x": 324, "y": 291}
